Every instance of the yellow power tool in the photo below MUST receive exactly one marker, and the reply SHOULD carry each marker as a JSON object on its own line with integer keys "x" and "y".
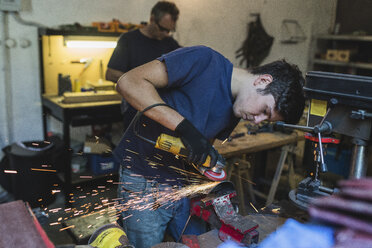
{"x": 175, "y": 146}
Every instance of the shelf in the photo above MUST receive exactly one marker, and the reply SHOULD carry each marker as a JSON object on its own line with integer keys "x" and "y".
{"x": 81, "y": 32}
{"x": 345, "y": 64}
{"x": 345, "y": 37}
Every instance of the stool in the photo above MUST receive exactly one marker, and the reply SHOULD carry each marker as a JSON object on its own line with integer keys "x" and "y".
{"x": 238, "y": 167}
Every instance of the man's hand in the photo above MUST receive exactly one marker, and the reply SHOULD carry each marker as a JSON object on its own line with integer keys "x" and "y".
{"x": 197, "y": 145}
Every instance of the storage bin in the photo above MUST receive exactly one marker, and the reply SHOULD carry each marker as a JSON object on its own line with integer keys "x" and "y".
{"x": 103, "y": 163}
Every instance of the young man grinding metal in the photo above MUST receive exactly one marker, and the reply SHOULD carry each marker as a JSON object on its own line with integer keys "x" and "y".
{"x": 193, "y": 93}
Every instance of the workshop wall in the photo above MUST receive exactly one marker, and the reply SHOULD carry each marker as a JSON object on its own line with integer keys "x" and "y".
{"x": 220, "y": 24}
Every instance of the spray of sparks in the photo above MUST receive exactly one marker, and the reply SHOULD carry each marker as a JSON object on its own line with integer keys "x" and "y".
{"x": 113, "y": 208}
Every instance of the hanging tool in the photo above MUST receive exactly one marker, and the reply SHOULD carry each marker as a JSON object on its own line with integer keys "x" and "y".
{"x": 175, "y": 146}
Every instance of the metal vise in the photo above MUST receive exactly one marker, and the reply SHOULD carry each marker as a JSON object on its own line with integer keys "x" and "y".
{"x": 217, "y": 209}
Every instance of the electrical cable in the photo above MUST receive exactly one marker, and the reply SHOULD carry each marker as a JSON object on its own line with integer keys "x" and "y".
{"x": 137, "y": 118}
{"x": 19, "y": 19}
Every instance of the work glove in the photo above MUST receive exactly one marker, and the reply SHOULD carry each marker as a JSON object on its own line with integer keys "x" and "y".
{"x": 196, "y": 144}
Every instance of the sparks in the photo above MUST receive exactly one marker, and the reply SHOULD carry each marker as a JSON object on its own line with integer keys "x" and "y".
{"x": 68, "y": 227}
{"x": 253, "y": 207}
{"x": 34, "y": 169}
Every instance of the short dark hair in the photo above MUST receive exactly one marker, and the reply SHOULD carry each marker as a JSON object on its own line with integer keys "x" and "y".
{"x": 286, "y": 88}
{"x": 164, "y": 7}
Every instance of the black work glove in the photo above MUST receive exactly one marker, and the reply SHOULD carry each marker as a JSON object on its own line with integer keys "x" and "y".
{"x": 197, "y": 145}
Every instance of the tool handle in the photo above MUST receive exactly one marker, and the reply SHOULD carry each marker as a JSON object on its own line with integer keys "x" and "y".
{"x": 175, "y": 146}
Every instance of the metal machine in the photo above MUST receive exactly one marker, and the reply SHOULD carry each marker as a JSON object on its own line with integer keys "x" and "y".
{"x": 342, "y": 104}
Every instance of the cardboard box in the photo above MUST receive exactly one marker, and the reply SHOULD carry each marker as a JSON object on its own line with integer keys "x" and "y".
{"x": 331, "y": 54}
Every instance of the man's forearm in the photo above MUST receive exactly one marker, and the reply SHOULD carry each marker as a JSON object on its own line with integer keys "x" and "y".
{"x": 139, "y": 88}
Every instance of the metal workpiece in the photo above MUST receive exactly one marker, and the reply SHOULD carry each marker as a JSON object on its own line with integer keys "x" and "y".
{"x": 232, "y": 222}
{"x": 217, "y": 209}
{"x": 221, "y": 163}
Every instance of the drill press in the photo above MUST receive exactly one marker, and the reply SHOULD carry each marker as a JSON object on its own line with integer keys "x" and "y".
{"x": 342, "y": 104}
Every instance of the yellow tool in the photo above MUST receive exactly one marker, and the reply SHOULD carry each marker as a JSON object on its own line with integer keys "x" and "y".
{"x": 174, "y": 145}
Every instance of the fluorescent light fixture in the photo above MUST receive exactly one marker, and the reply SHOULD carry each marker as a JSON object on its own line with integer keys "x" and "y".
{"x": 90, "y": 42}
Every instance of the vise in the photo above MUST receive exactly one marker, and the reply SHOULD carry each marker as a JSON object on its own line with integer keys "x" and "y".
{"x": 216, "y": 209}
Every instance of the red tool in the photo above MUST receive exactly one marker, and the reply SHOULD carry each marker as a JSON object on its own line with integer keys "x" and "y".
{"x": 217, "y": 209}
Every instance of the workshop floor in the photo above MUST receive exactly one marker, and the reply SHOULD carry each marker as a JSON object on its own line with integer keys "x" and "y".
{"x": 65, "y": 228}
{"x": 76, "y": 224}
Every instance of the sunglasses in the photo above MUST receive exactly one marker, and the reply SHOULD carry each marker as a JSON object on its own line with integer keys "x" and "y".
{"x": 163, "y": 29}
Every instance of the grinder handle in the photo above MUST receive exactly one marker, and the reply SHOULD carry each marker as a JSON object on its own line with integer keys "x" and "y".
{"x": 174, "y": 145}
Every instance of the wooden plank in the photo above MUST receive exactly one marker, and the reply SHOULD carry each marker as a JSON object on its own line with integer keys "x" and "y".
{"x": 90, "y": 96}
{"x": 58, "y": 100}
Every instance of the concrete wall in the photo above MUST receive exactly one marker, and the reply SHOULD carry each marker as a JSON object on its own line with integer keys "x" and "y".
{"x": 220, "y": 24}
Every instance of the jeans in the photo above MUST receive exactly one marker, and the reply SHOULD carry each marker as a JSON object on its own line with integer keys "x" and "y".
{"x": 144, "y": 221}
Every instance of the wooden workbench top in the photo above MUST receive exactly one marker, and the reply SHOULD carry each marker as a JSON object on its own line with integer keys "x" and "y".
{"x": 251, "y": 143}
{"x": 58, "y": 100}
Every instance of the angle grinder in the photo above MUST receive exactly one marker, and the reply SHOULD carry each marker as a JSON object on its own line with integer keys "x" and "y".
{"x": 175, "y": 146}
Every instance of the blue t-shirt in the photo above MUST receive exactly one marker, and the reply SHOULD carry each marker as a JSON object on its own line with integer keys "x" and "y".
{"x": 199, "y": 88}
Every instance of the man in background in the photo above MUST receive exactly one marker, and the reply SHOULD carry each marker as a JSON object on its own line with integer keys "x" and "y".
{"x": 143, "y": 45}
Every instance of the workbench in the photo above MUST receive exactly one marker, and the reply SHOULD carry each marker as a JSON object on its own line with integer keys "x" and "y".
{"x": 237, "y": 149}
{"x": 77, "y": 114}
